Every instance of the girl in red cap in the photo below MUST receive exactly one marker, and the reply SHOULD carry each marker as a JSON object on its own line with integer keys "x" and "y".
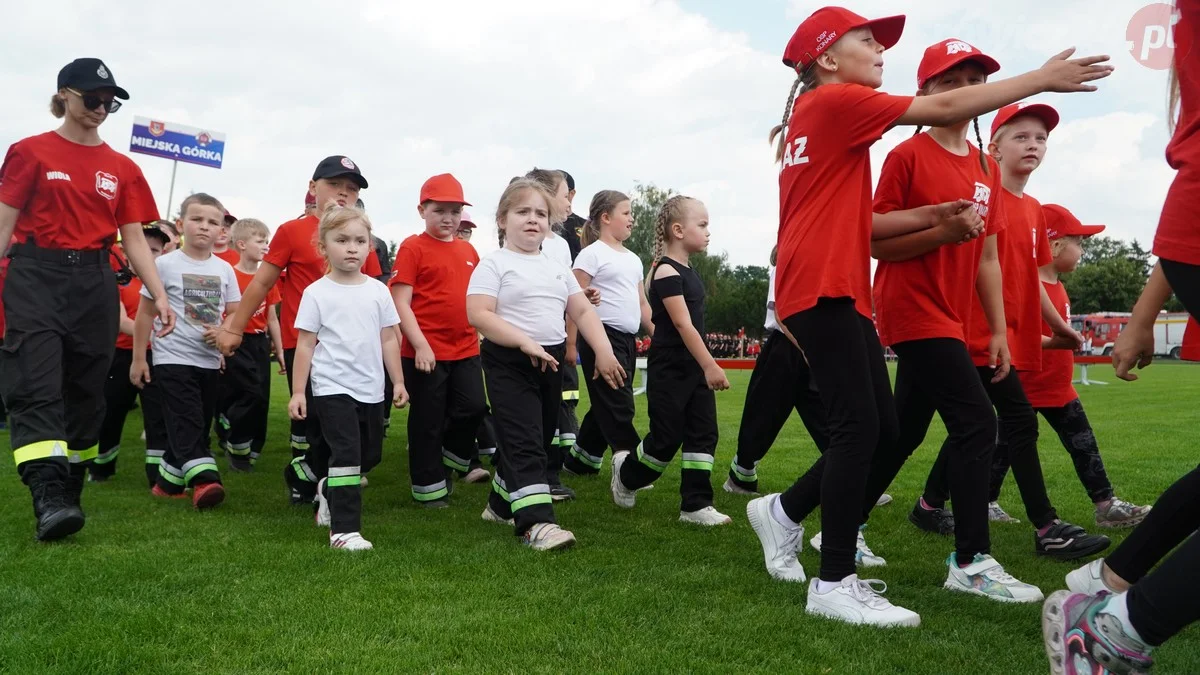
{"x": 1118, "y": 611}
{"x": 823, "y": 291}
{"x": 64, "y": 195}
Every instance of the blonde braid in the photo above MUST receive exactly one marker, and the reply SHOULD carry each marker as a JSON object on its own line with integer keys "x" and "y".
{"x": 670, "y": 213}
{"x": 805, "y": 82}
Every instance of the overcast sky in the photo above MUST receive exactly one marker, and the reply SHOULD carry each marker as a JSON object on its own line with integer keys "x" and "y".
{"x": 677, "y": 93}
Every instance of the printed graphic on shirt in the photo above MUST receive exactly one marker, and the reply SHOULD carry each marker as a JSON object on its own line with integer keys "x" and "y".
{"x": 106, "y": 185}
{"x": 202, "y": 299}
{"x": 983, "y": 194}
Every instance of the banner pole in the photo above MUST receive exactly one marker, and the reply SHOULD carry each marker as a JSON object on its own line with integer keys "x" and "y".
{"x": 171, "y": 192}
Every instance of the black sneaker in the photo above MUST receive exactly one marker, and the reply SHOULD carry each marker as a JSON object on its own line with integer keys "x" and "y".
{"x": 300, "y": 492}
{"x": 57, "y": 516}
{"x": 561, "y": 493}
{"x": 1065, "y": 541}
{"x": 76, "y": 475}
{"x": 239, "y": 464}
{"x": 937, "y": 521}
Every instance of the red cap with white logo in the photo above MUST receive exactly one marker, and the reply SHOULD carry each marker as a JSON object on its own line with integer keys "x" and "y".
{"x": 949, "y": 53}
{"x": 1062, "y": 223}
{"x": 826, "y": 25}
{"x": 1048, "y": 115}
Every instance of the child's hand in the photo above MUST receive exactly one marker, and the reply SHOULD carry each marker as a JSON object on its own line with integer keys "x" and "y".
{"x": 538, "y": 356}
{"x": 399, "y": 395}
{"x": 228, "y": 342}
{"x": 592, "y": 294}
{"x": 958, "y": 220}
{"x": 298, "y": 407}
{"x": 1065, "y": 75}
{"x": 1059, "y": 342}
{"x": 610, "y": 369}
{"x": 282, "y": 363}
{"x": 166, "y": 316}
{"x": 1071, "y": 339}
{"x": 999, "y": 358}
{"x": 714, "y": 376}
{"x": 210, "y": 335}
{"x": 139, "y": 373}
{"x": 1134, "y": 346}
{"x": 425, "y": 360}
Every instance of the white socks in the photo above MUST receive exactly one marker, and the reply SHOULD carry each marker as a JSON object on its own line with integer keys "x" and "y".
{"x": 824, "y": 587}
{"x": 1117, "y": 607}
{"x": 780, "y": 517}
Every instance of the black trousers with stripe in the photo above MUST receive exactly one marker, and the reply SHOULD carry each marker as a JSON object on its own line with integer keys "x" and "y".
{"x": 609, "y": 419}
{"x": 447, "y": 407}
{"x": 246, "y": 396}
{"x": 683, "y": 412}
{"x": 61, "y": 320}
{"x": 299, "y": 429}
{"x": 119, "y": 396}
{"x": 780, "y": 383}
{"x": 526, "y": 401}
{"x": 354, "y": 437}
{"x": 189, "y": 396}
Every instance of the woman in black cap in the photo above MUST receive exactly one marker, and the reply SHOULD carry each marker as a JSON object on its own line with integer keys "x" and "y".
{"x": 64, "y": 195}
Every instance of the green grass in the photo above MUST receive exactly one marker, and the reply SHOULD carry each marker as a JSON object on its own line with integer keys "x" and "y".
{"x": 153, "y": 587}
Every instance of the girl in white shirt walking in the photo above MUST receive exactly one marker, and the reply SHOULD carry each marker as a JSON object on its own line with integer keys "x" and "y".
{"x": 516, "y": 301}
{"x": 346, "y": 320}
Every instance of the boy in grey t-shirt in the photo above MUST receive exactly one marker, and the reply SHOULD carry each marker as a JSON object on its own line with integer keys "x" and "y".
{"x": 201, "y": 288}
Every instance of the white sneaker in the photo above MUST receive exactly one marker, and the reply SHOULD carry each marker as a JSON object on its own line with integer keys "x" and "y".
{"x": 985, "y": 576}
{"x": 863, "y": 556}
{"x": 491, "y": 516}
{"x": 322, "y": 517}
{"x": 735, "y": 489}
{"x": 622, "y": 496}
{"x": 884, "y": 500}
{"x": 996, "y": 514}
{"x": 477, "y": 475}
{"x": 856, "y": 601}
{"x": 780, "y": 544}
{"x": 1089, "y": 579}
{"x": 349, "y": 541}
{"x": 548, "y": 537}
{"x": 362, "y": 481}
{"x": 707, "y": 516}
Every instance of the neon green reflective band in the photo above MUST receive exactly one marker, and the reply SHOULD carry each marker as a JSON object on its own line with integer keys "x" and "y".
{"x": 198, "y": 469}
{"x": 430, "y": 496}
{"x": 85, "y": 455}
{"x": 585, "y": 459}
{"x": 343, "y": 481}
{"x": 108, "y": 457}
{"x": 698, "y": 466}
{"x": 650, "y": 461}
{"x": 500, "y": 491}
{"x": 39, "y": 450}
{"x": 154, "y": 460}
{"x": 169, "y": 477}
{"x": 451, "y": 464}
{"x": 571, "y": 395}
{"x": 531, "y": 500}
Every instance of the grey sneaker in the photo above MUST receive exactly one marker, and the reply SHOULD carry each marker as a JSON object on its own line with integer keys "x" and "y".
{"x": 996, "y": 514}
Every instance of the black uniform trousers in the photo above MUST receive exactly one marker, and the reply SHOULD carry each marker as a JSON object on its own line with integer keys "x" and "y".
{"x": 609, "y": 419}
{"x": 353, "y": 435}
{"x": 119, "y": 396}
{"x": 246, "y": 396}
{"x": 189, "y": 396}
{"x": 447, "y": 406}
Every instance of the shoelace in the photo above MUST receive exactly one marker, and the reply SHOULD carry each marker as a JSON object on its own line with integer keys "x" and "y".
{"x": 790, "y": 543}
{"x": 864, "y": 590}
{"x": 997, "y": 573}
{"x": 1121, "y": 508}
{"x": 50, "y": 492}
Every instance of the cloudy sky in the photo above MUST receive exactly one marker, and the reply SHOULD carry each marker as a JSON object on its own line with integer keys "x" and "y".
{"x": 680, "y": 93}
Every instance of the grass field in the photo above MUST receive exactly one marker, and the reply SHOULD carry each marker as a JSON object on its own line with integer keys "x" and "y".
{"x": 153, "y": 587}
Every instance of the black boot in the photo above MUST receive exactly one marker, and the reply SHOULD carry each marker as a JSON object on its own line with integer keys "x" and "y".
{"x": 77, "y": 474}
{"x": 55, "y": 509}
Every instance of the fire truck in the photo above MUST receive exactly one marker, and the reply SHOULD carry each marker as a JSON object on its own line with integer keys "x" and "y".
{"x": 1100, "y": 331}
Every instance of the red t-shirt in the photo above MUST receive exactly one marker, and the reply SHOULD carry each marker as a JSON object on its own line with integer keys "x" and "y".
{"x": 294, "y": 248}
{"x": 825, "y": 196}
{"x": 72, "y": 196}
{"x": 1190, "y": 350}
{"x": 932, "y": 296}
{"x": 130, "y": 299}
{"x": 258, "y": 322}
{"x": 230, "y": 256}
{"x": 1051, "y": 387}
{"x": 439, "y": 273}
{"x": 1023, "y": 248}
{"x": 1178, "y": 237}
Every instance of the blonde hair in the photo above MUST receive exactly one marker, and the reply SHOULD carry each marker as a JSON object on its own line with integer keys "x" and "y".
{"x": 247, "y": 228}
{"x": 58, "y": 106}
{"x": 508, "y": 199}
{"x": 806, "y": 81}
{"x": 774, "y": 254}
{"x": 552, "y": 179}
{"x": 335, "y": 218}
{"x": 201, "y": 198}
{"x": 603, "y": 204}
{"x": 672, "y": 211}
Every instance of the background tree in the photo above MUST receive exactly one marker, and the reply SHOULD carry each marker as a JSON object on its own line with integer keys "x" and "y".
{"x": 1110, "y": 277}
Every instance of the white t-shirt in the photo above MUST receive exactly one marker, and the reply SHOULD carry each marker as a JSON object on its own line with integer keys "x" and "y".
{"x": 348, "y": 321}
{"x": 771, "y": 323}
{"x": 198, "y": 291}
{"x": 616, "y": 274}
{"x": 557, "y": 249}
{"x": 531, "y": 292}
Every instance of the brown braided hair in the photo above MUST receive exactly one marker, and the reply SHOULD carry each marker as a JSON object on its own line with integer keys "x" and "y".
{"x": 983, "y": 162}
{"x": 806, "y": 81}
{"x": 603, "y": 204}
{"x": 672, "y": 211}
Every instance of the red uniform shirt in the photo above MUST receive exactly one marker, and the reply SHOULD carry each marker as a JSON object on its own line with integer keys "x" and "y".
{"x": 439, "y": 273}
{"x": 1051, "y": 387}
{"x": 294, "y": 248}
{"x": 932, "y": 296}
{"x": 72, "y": 196}
{"x": 1023, "y": 248}
{"x": 258, "y": 322}
{"x": 130, "y": 299}
{"x": 230, "y": 256}
{"x": 825, "y": 196}
{"x": 1190, "y": 350}
{"x": 1178, "y": 237}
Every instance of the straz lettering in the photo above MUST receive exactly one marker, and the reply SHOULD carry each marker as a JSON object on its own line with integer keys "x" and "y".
{"x": 793, "y": 153}
{"x": 57, "y": 175}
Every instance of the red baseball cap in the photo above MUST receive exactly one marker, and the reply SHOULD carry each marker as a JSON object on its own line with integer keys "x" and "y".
{"x": 443, "y": 188}
{"x": 1042, "y": 111}
{"x": 823, "y": 27}
{"x": 466, "y": 221}
{"x": 1062, "y": 223}
{"x": 949, "y": 53}
{"x": 229, "y": 218}
{"x": 309, "y": 199}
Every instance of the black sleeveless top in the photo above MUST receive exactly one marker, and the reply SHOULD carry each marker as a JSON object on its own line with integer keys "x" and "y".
{"x": 688, "y": 285}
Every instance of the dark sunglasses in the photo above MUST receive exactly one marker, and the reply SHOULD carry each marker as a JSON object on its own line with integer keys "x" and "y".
{"x": 92, "y": 101}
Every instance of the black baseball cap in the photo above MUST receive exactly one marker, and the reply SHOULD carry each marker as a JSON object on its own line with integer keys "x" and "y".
{"x": 339, "y": 165}
{"x": 570, "y": 179}
{"x": 154, "y": 230}
{"x": 89, "y": 75}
